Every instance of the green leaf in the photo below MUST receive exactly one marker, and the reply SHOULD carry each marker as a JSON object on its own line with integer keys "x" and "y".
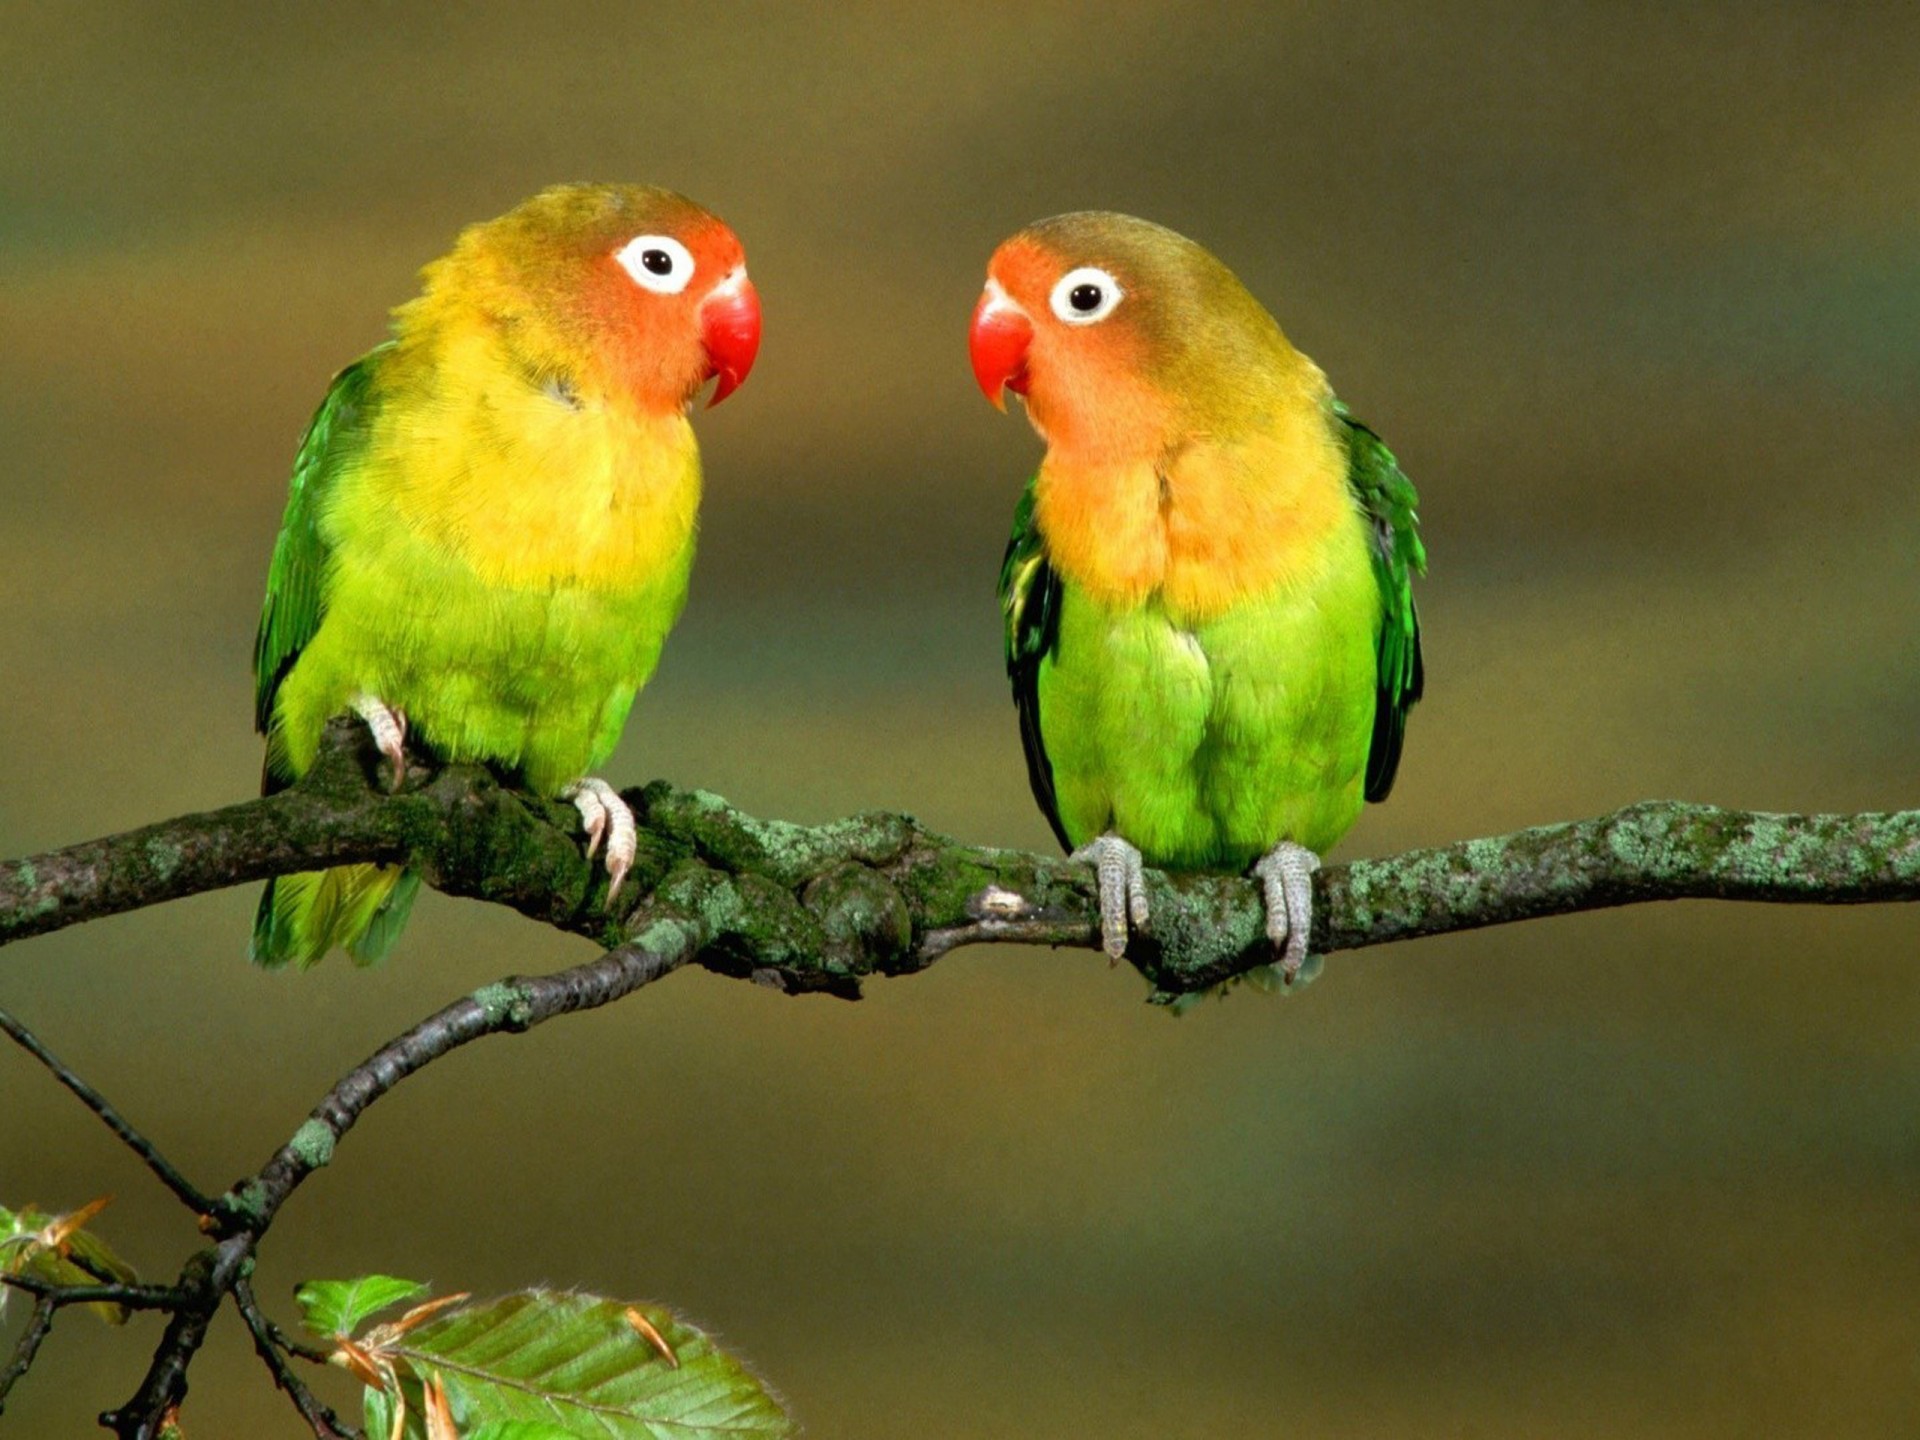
{"x": 59, "y": 1250}
{"x": 96, "y": 1257}
{"x": 580, "y": 1366}
{"x": 335, "y": 1308}
{"x": 376, "y": 1413}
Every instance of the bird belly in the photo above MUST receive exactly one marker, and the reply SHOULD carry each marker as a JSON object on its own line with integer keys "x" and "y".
{"x": 1205, "y": 745}
{"x": 504, "y": 573}
{"x": 537, "y": 679}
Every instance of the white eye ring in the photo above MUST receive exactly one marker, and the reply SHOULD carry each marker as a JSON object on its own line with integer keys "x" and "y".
{"x": 1090, "y": 277}
{"x": 643, "y": 256}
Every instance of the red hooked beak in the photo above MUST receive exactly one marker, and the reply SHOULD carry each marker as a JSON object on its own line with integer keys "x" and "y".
{"x": 730, "y": 329}
{"x": 998, "y": 342}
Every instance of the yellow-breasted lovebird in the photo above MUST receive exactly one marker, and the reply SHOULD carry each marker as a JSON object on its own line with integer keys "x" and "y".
{"x": 1210, "y": 625}
{"x": 491, "y": 521}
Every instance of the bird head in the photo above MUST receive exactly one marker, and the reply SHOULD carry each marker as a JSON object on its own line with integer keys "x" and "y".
{"x": 624, "y": 289}
{"x": 1115, "y": 330}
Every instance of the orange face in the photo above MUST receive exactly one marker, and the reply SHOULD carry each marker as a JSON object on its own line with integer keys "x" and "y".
{"x": 1189, "y": 449}
{"x": 1070, "y": 326}
{"x": 636, "y": 289}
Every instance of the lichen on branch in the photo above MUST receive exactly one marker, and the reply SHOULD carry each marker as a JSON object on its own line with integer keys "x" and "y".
{"x": 821, "y": 907}
{"x": 805, "y": 908}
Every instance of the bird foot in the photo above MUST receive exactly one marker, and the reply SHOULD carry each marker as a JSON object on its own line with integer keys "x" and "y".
{"x": 1286, "y": 876}
{"x": 606, "y": 817}
{"x": 1123, "y": 889}
{"x": 389, "y": 727}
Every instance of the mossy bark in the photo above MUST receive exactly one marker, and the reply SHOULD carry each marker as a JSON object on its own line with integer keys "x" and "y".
{"x": 820, "y": 907}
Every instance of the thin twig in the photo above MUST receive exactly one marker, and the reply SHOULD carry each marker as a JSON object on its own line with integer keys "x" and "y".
{"x": 91, "y": 1098}
{"x": 134, "y": 1297}
{"x": 296, "y": 1347}
{"x": 28, "y": 1345}
{"x": 664, "y": 943}
{"x": 204, "y": 1282}
{"x": 517, "y": 1003}
{"x": 266, "y": 1343}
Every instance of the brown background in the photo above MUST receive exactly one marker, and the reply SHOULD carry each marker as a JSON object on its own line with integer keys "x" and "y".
{"x": 1631, "y": 289}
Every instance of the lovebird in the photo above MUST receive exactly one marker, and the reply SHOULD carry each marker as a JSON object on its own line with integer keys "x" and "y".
{"x": 1210, "y": 623}
{"x": 491, "y": 522}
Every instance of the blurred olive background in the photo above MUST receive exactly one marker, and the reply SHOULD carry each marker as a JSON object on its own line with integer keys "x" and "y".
{"x": 1634, "y": 290}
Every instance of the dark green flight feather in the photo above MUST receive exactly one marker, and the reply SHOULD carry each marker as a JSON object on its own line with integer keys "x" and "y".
{"x": 297, "y": 575}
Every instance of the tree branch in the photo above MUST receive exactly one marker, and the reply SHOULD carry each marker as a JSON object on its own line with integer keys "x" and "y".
{"x": 189, "y": 1195}
{"x": 662, "y": 944}
{"x": 204, "y": 1283}
{"x": 267, "y": 1343}
{"x": 28, "y": 1345}
{"x": 818, "y": 908}
{"x": 806, "y": 908}
{"x": 514, "y": 1004}
{"x": 133, "y": 1297}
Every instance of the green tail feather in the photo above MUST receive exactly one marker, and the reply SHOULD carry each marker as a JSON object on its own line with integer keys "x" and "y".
{"x": 361, "y": 908}
{"x": 389, "y": 919}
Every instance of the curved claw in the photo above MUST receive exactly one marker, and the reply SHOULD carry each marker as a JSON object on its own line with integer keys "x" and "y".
{"x": 606, "y": 815}
{"x": 1286, "y": 878}
{"x": 1121, "y": 872}
{"x": 389, "y": 728}
{"x": 596, "y": 822}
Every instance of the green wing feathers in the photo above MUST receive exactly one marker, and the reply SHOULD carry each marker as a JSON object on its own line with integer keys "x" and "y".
{"x": 1390, "y": 502}
{"x": 360, "y": 907}
{"x": 1030, "y": 595}
{"x": 297, "y": 577}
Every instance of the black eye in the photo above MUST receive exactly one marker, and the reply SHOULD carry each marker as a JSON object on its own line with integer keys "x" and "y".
{"x": 1085, "y": 295}
{"x": 658, "y": 263}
